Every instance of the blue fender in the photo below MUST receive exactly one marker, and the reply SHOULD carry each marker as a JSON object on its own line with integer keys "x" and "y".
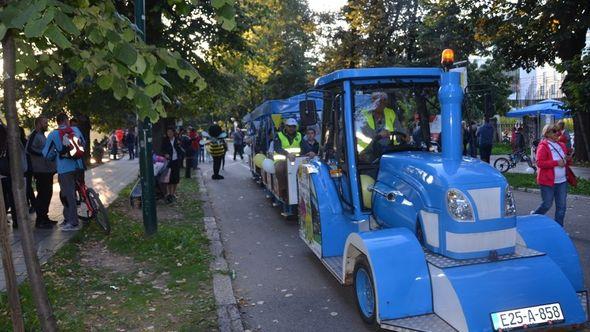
{"x": 543, "y": 234}
{"x": 481, "y": 289}
{"x": 400, "y": 273}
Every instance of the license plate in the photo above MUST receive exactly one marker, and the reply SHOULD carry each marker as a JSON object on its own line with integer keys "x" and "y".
{"x": 527, "y": 317}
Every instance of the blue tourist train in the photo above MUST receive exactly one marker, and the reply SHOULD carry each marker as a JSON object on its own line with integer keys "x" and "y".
{"x": 429, "y": 241}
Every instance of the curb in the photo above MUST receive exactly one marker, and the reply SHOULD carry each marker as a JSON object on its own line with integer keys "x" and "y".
{"x": 538, "y": 191}
{"x": 228, "y": 314}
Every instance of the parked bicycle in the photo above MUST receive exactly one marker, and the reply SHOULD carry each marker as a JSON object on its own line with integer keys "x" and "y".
{"x": 505, "y": 164}
{"x": 92, "y": 207}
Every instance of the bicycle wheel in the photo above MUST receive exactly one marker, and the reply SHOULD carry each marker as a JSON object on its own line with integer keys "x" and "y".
{"x": 502, "y": 164}
{"x": 83, "y": 212}
{"x": 100, "y": 212}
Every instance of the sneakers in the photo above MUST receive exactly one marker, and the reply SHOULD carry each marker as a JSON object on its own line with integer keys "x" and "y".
{"x": 70, "y": 228}
{"x": 217, "y": 177}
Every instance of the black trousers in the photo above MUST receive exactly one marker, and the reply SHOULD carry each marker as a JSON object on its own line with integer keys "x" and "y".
{"x": 216, "y": 165}
{"x": 239, "y": 149}
{"x": 8, "y": 198}
{"x": 485, "y": 151}
{"x": 131, "y": 149}
{"x": 188, "y": 167}
{"x": 29, "y": 188}
{"x": 44, "y": 183}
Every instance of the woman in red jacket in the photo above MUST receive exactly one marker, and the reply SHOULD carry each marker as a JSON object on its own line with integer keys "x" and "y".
{"x": 552, "y": 159}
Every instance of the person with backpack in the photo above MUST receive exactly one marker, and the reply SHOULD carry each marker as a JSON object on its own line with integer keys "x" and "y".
{"x": 43, "y": 171}
{"x": 217, "y": 149}
{"x": 65, "y": 145}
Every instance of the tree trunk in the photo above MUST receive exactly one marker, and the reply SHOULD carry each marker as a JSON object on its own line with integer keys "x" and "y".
{"x": 16, "y": 312}
{"x": 15, "y": 150}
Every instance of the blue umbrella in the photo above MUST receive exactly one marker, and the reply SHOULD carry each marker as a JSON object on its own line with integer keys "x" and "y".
{"x": 552, "y": 107}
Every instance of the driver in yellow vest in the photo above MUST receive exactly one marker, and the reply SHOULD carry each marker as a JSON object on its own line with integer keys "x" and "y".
{"x": 288, "y": 142}
{"x": 375, "y": 126}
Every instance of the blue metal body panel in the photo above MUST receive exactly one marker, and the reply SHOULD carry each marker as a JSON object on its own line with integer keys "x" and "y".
{"x": 543, "y": 234}
{"x": 335, "y": 225}
{"x": 450, "y": 96}
{"x": 402, "y": 282}
{"x": 483, "y": 289}
{"x": 423, "y": 180}
{"x": 351, "y": 153}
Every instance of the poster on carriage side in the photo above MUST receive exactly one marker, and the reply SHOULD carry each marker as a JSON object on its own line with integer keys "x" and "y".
{"x": 309, "y": 221}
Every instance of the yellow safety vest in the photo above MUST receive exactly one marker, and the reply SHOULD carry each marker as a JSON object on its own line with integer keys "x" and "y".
{"x": 293, "y": 147}
{"x": 361, "y": 139}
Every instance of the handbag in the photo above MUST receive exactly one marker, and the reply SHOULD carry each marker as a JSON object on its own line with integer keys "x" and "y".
{"x": 569, "y": 174}
{"x": 571, "y": 177}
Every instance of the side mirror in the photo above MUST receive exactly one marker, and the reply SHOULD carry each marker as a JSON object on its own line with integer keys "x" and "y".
{"x": 307, "y": 113}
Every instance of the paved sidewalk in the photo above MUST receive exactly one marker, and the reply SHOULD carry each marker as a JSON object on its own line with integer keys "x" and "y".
{"x": 581, "y": 172}
{"x": 107, "y": 180}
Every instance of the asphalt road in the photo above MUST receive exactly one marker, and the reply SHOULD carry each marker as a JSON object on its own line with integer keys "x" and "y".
{"x": 280, "y": 284}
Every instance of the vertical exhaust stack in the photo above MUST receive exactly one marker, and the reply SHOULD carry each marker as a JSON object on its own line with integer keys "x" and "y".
{"x": 450, "y": 95}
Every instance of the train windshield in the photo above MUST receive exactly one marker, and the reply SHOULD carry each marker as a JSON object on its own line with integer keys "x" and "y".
{"x": 397, "y": 118}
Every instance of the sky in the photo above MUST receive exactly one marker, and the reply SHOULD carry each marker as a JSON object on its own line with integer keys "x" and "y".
{"x": 326, "y": 5}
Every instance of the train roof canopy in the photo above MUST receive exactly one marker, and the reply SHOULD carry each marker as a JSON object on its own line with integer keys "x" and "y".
{"x": 377, "y": 73}
{"x": 283, "y": 106}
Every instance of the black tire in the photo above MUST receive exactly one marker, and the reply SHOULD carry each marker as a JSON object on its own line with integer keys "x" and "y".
{"x": 362, "y": 263}
{"x": 100, "y": 212}
{"x": 502, "y": 164}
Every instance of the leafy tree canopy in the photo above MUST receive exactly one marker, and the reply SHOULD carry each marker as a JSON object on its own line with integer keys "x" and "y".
{"x": 76, "y": 43}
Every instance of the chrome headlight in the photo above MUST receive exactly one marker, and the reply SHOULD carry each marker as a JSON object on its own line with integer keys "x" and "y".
{"x": 509, "y": 205}
{"x": 459, "y": 206}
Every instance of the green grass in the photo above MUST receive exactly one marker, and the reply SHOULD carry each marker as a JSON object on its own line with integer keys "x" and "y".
{"x": 501, "y": 148}
{"x": 167, "y": 283}
{"x": 518, "y": 180}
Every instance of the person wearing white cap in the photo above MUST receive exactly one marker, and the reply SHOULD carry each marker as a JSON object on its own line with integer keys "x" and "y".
{"x": 287, "y": 145}
{"x": 288, "y": 142}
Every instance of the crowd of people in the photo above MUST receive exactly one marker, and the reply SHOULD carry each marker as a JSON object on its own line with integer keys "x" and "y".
{"x": 60, "y": 152}
{"x": 46, "y": 156}
{"x": 182, "y": 148}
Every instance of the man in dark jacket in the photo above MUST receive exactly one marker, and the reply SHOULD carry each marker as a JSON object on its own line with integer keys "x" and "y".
{"x": 130, "y": 141}
{"x": 43, "y": 172}
{"x": 485, "y": 139}
{"x": 186, "y": 142}
{"x": 238, "y": 143}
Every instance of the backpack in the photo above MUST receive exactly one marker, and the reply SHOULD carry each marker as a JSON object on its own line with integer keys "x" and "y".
{"x": 75, "y": 148}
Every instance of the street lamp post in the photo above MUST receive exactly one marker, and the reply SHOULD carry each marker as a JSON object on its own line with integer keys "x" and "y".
{"x": 148, "y": 199}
